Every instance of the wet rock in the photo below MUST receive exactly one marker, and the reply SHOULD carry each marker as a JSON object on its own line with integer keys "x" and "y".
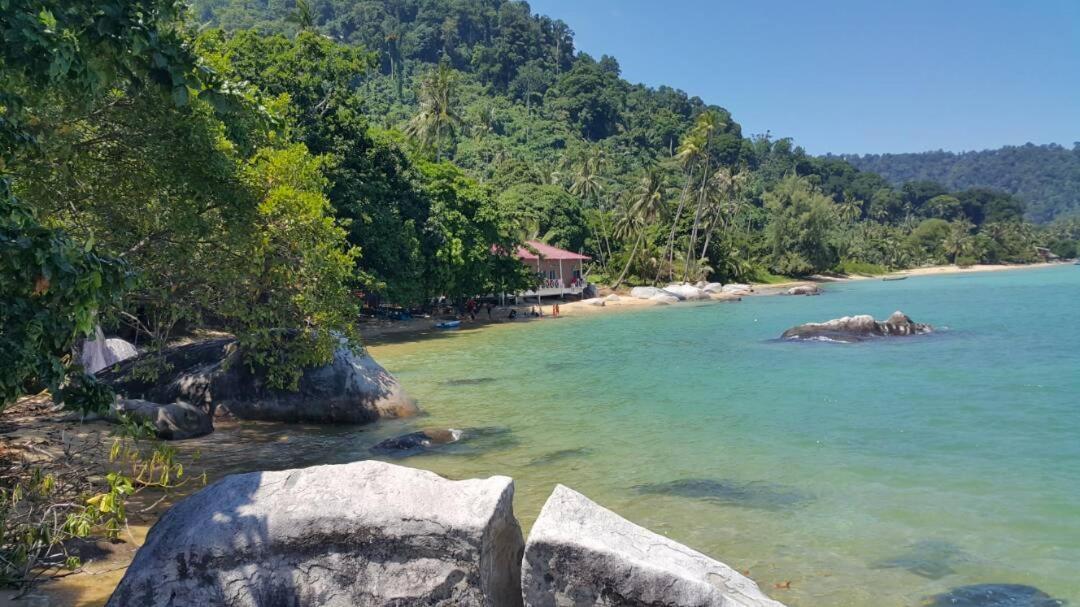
{"x": 560, "y": 455}
{"x": 995, "y": 595}
{"x": 804, "y": 290}
{"x": 418, "y": 441}
{"x": 351, "y": 389}
{"x": 929, "y": 559}
{"x": 365, "y": 534}
{"x": 858, "y": 328}
{"x": 756, "y": 494}
{"x": 449, "y": 441}
{"x": 174, "y": 421}
{"x": 580, "y": 553}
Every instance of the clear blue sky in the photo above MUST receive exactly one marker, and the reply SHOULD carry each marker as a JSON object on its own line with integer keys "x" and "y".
{"x": 855, "y": 76}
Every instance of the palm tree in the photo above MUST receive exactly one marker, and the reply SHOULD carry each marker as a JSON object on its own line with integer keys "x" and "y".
{"x": 958, "y": 241}
{"x": 647, "y": 205}
{"x": 691, "y": 151}
{"x": 850, "y": 209}
{"x": 437, "y": 116}
{"x": 303, "y": 17}
{"x": 709, "y": 122}
{"x": 588, "y": 185}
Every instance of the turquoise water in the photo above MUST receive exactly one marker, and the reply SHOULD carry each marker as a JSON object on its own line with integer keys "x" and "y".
{"x": 871, "y": 474}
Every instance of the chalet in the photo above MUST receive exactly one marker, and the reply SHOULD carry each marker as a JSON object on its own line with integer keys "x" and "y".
{"x": 559, "y": 272}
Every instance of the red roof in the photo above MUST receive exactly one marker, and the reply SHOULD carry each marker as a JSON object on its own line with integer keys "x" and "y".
{"x": 547, "y": 251}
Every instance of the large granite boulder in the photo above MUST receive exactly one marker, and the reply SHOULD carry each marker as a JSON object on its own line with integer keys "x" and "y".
{"x": 713, "y": 287}
{"x": 644, "y": 292}
{"x": 360, "y": 534}
{"x": 101, "y": 352}
{"x": 737, "y": 289}
{"x": 686, "y": 292}
{"x": 665, "y": 298}
{"x": 858, "y": 328}
{"x": 804, "y": 290}
{"x": 174, "y": 421}
{"x": 211, "y": 375}
{"x": 580, "y": 553}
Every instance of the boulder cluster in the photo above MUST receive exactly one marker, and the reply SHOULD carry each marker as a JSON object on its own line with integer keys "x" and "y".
{"x": 685, "y": 291}
{"x": 371, "y": 533}
{"x": 858, "y": 328}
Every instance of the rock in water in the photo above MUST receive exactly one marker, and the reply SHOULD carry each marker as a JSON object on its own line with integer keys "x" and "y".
{"x": 365, "y": 534}
{"x": 351, "y": 389}
{"x": 857, "y": 328}
{"x": 995, "y": 595}
{"x": 804, "y": 290}
{"x": 418, "y": 441}
{"x": 580, "y": 553}
{"x": 174, "y": 421}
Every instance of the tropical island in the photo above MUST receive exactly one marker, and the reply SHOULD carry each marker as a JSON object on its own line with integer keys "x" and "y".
{"x": 206, "y": 210}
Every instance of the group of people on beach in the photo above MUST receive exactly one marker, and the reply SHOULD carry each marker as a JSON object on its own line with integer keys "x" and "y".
{"x": 473, "y": 307}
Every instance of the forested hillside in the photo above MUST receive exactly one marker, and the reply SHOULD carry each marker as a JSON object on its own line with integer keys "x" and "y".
{"x": 1046, "y": 177}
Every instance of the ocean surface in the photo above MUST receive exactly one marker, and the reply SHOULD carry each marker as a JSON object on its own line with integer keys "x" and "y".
{"x": 876, "y": 474}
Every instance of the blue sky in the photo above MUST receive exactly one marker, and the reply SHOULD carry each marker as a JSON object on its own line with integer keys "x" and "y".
{"x": 855, "y": 76}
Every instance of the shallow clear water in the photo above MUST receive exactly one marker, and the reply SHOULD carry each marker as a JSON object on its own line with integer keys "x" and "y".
{"x": 867, "y": 474}
{"x": 874, "y": 474}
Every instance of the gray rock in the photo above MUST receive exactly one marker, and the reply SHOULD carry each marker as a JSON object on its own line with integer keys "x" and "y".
{"x": 99, "y": 353}
{"x": 713, "y": 287}
{"x": 351, "y": 389}
{"x": 419, "y": 441}
{"x": 686, "y": 292}
{"x": 365, "y": 534}
{"x": 580, "y": 553}
{"x": 644, "y": 292}
{"x": 737, "y": 289}
{"x": 804, "y": 290}
{"x": 596, "y": 301}
{"x": 858, "y": 328}
{"x": 665, "y": 298}
{"x": 174, "y": 421}
{"x": 613, "y": 297}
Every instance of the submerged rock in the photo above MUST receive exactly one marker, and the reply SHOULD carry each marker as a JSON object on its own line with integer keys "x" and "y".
{"x": 580, "y": 553}
{"x": 174, "y": 421}
{"x": 560, "y": 455}
{"x": 351, "y": 389}
{"x": 756, "y": 494}
{"x": 448, "y": 440}
{"x": 418, "y": 441}
{"x": 929, "y": 559}
{"x": 804, "y": 290}
{"x": 995, "y": 595}
{"x": 468, "y": 381}
{"x": 857, "y": 328}
{"x": 366, "y": 534}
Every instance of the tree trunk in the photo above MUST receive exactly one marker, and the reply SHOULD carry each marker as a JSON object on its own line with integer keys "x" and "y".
{"x": 633, "y": 254}
{"x": 669, "y": 253}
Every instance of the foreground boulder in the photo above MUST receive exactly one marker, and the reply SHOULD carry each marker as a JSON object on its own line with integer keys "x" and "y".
{"x": 804, "y": 290}
{"x": 580, "y": 553}
{"x": 174, "y": 421}
{"x": 352, "y": 388}
{"x": 857, "y": 328}
{"x": 365, "y": 533}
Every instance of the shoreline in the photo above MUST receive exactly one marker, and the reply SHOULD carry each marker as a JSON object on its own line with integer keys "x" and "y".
{"x": 382, "y": 332}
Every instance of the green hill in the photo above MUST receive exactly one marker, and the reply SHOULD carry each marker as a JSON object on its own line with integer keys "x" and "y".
{"x": 1046, "y": 177}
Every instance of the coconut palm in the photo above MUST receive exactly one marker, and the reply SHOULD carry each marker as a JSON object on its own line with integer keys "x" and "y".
{"x": 437, "y": 117}
{"x": 851, "y": 209}
{"x": 588, "y": 185}
{"x": 645, "y": 208}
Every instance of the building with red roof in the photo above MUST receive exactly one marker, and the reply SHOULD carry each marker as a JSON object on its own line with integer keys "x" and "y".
{"x": 559, "y": 272}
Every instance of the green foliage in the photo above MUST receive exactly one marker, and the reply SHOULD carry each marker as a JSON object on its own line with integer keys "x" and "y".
{"x": 545, "y": 212}
{"x": 51, "y": 289}
{"x": 799, "y": 232}
{"x": 1046, "y": 177}
{"x": 85, "y": 394}
{"x": 854, "y": 268}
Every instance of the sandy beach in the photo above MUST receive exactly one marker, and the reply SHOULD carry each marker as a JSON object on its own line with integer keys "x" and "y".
{"x": 374, "y": 332}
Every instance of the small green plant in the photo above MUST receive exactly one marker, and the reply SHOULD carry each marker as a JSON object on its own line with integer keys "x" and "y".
{"x": 86, "y": 394}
